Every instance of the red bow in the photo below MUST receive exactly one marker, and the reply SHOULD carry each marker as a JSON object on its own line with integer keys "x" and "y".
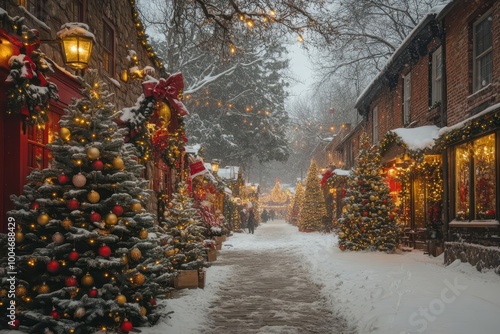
{"x": 326, "y": 176}
{"x": 170, "y": 88}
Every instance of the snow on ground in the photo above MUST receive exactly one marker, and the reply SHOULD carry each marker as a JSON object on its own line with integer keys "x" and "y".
{"x": 375, "y": 292}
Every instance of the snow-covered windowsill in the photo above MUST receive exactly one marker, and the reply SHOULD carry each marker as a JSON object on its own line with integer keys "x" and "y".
{"x": 474, "y": 223}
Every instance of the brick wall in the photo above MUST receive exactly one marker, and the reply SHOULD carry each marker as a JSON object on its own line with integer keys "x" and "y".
{"x": 462, "y": 103}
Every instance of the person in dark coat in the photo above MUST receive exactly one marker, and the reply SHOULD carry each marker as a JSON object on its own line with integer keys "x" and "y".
{"x": 251, "y": 221}
{"x": 265, "y": 216}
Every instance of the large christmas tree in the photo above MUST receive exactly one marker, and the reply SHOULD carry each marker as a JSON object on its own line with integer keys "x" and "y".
{"x": 296, "y": 204}
{"x": 182, "y": 221}
{"x": 86, "y": 258}
{"x": 368, "y": 220}
{"x": 313, "y": 207}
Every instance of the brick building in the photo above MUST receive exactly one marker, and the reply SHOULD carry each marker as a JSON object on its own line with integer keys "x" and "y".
{"x": 434, "y": 112}
{"x": 117, "y": 29}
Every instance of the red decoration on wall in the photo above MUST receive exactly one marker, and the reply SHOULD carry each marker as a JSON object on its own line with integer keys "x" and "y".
{"x": 197, "y": 168}
{"x": 170, "y": 89}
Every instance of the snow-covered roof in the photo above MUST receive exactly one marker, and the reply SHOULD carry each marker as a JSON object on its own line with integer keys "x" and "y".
{"x": 229, "y": 172}
{"x": 341, "y": 172}
{"x": 193, "y": 149}
{"x": 418, "y": 138}
{"x": 433, "y": 12}
{"x": 208, "y": 166}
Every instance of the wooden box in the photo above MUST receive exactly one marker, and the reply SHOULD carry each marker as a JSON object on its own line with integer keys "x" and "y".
{"x": 211, "y": 255}
{"x": 186, "y": 279}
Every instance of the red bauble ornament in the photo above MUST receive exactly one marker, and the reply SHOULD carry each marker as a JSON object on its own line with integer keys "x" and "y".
{"x": 53, "y": 266}
{"x": 152, "y": 302}
{"x": 71, "y": 281}
{"x": 73, "y": 204}
{"x": 73, "y": 255}
{"x": 391, "y": 216}
{"x": 98, "y": 165}
{"x": 342, "y": 247}
{"x": 63, "y": 179}
{"x": 95, "y": 217}
{"x": 117, "y": 210}
{"x": 365, "y": 214}
{"x": 35, "y": 206}
{"x": 55, "y": 315}
{"x": 384, "y": 201}
{"x": 104, "y": 251}
{"x": 93, "y": 293}
{"x": 14, "y": 324}
{"x": 126, "y": 326}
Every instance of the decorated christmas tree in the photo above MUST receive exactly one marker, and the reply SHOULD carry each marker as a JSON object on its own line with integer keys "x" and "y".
{"x": 182, "y": 221}
{"x": 296, "y": 204}
{"x": 86, "y": 258}
{"x": 368, "y": 220}
{"x": 313, "y": 208}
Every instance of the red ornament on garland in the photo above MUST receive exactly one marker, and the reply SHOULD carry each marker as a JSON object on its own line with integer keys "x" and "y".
{"x": 35, "y": 206}
{"x": 93, "y": 293}
{"x": 71, "y": 281}
{"x": 55, "y": 315}
{"x": 14, "y": 324}
{"x": 63, "y": 179}
{"x": 73, "y": 204}
{"x": 104, "y": 251}
{"x": 98, "y": 165}
{"x": 117, "y": 210}
{"x": 95, "y": 217}
{"x": 53, "y": 266}
{"x": 126, "y": 326}
{"x": 73, "y": 255}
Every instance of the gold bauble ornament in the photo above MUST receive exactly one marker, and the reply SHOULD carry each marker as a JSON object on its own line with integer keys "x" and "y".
{"x": 93, "y": 196}
{"x": 139, "y": 279}
{"x": 87, "y": 280}
{"x": 372, "y": 198}
{"x": 21, "y": 290}
{"x": 170, "y": 252}
{"x": 58, "y": 238}
{"x": 137, "y": 207}
{"x": 341, "y": 234}
{"x": 93, "y": 153}
{"x": 64, "y": 133}
{"x": 19, "y": 237}
{"x": 66, "y": 223}
{"x": 164, "y": 113}
{"x": 121, "y": 300}
{"x": 143, "y": 234}
{"x": 3, "y": 293}
{"x": 118, "y": 163}
{"x": 135, "y": 254}
{"x": 111, "y": 219}
{"x": 44, "y": 288}
{"x": 43, "y": 219}
{"x": 124, "y": 259}
{"x": 143, "y": 311}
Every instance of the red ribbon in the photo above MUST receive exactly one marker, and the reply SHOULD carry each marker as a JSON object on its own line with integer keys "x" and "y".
{"x": 170, "y": 89}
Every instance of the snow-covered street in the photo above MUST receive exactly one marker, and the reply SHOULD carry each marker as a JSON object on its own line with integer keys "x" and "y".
{"x": 271, "y": 281}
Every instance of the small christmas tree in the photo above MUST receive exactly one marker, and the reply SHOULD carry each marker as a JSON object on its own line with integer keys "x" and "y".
{"x": 297, "y": 202}
{"x": 368, "y": 220}
{"x": 85, "y": 256}
{"x": 183, "y": 222}
{"x": 313, "y": 208}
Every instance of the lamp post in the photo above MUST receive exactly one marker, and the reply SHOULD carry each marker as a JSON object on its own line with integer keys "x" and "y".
{"x": 215, "y": 165}
{"x": 77, "y": 44}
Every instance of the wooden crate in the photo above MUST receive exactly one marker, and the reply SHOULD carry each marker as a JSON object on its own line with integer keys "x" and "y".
{"x": 211, "y": 255}
{"x": 218, "y": 246}
{"x": 186, "y": 279}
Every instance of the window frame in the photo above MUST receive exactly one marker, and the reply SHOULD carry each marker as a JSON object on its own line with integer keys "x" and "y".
{"x": 110, "y": 67}
{"x": 407, "y": 99}
{"x": 375, "y": 125}
{"x": 476, "y": 70}
{"x": 437, "y": 76}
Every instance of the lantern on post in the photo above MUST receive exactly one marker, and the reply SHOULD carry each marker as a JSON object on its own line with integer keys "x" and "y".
{"x": 77, "y": 44}
{"x": 215, "y": 165}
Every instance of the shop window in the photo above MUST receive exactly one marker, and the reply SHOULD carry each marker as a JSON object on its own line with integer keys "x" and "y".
{"x": 406, "y": 98}
{"x": 483, "y": 50}
{"x": 475, "y": 186}
{"x": 38, "y": 137}
{"x": 109, "y": 49}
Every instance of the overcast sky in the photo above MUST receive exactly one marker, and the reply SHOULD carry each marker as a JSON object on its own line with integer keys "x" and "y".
{"x": 301, "y": 70}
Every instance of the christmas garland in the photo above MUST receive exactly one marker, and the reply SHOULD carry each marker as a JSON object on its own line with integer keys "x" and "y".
{"x": 29, "y": 92}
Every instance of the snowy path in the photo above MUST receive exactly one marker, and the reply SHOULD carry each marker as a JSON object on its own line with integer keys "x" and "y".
{"x": 269, "y": 294}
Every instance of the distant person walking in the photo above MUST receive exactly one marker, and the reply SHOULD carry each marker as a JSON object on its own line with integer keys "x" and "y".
{"x": 265, "y": 216}
{"x": 273, "y": 214}
{"x": 251, "y": 221}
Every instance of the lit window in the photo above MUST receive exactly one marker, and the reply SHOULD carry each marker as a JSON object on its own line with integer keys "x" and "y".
{"x": 483, "y": 41}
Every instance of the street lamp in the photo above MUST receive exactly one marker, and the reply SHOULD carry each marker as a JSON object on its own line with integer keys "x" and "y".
{"x": 77, "y": 44}
{"x": 215, "y": 165}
